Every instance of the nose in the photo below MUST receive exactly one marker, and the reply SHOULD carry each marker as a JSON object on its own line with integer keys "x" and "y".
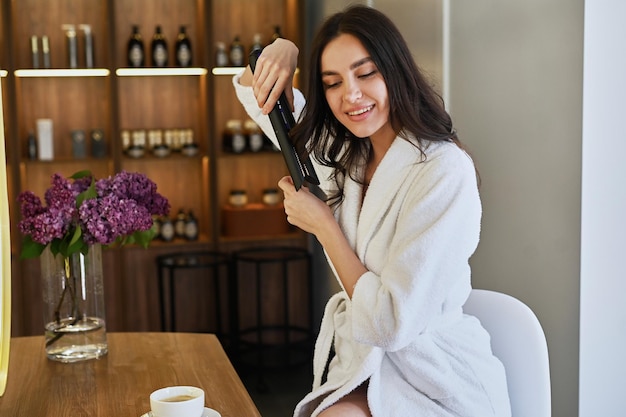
{"x": 352, "y": 92}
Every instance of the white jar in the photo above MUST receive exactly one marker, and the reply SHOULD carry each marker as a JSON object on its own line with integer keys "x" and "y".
{"x": 271, "y": 197}
{"x": 238, "y": 198}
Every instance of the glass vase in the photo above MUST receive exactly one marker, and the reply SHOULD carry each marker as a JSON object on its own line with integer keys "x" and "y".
{"x": 73, "y": 298}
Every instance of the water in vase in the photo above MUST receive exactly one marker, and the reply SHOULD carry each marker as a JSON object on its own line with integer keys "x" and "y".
{"x": 72, "y": 340}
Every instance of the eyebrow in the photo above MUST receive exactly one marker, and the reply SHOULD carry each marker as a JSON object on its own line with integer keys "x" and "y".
{"x": 352, "y": 66}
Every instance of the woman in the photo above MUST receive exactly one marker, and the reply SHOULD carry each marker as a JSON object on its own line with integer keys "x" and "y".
{"x": 401, "y": 221}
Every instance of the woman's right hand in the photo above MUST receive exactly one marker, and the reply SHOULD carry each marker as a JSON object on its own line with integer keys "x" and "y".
{"x": 274, "y": 72}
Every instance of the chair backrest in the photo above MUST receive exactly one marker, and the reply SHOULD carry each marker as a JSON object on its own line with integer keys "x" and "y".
{"x": 517, "y": 339}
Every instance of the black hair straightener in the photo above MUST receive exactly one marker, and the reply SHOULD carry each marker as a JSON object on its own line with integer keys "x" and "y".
{"x": 282, "y": 120}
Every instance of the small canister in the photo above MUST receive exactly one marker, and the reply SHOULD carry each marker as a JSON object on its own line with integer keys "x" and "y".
{"x": 238, "y": 198}
{"x": 271, "y": 196}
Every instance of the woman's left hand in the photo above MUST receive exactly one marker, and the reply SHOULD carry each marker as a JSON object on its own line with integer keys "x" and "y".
{"x": 303, "y": 209}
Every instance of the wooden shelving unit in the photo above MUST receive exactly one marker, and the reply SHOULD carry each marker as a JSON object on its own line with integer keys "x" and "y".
{"x": 114, "y": 99}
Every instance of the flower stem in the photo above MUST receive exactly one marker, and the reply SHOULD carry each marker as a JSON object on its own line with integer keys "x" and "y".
{"x": 69, "y": 287}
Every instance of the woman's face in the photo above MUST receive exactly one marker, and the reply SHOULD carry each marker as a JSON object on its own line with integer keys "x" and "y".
{"x": 355, "y": 90}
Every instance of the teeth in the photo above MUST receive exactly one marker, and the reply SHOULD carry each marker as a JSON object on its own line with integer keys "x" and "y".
{"x": 361, "y": 111}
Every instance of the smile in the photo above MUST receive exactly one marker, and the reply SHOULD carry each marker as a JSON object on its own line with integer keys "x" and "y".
{"x": 360, "y": 111}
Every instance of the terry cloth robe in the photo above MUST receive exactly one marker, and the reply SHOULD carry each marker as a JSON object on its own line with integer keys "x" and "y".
{"x": 404, "y": 331}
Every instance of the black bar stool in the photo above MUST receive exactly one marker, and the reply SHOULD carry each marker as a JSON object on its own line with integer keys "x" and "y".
{"x": 275, "y": 320}
{"x": 217, "y": 263}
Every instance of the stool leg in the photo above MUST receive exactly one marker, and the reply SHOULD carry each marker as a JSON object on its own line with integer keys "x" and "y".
{"x": 261, "y": 385}
{"x": 162, "y": 297}
{"x": 286, "y": 321}
{"x": 233, "y": 306}
{"x": 218, "y": 306}
{"x": 309, "y": 278}
{"x": 172, "y": 302}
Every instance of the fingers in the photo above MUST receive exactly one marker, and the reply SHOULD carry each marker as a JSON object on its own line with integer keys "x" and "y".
{"x": 273, "y": 74}
{"x": 286, "y": 184}
{"x": 262, "y": 84}
{"x": 269, "y": 83}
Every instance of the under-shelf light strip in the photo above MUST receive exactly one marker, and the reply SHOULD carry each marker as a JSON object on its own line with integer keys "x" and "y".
{"x": 86, "y": 72}
{"x": 232, "y": 70}
{"x": 226, "y": 70}
{"x": 139, "y": 72}
{"x": 3, "y": 73}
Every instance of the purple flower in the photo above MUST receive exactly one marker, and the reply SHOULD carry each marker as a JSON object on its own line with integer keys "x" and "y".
{"x": 134, "y": 186}
{"x": 124, "y": 204}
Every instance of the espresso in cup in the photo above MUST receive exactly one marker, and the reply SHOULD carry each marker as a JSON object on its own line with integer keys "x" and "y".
{"x": 177, "y": 398}
{"x": 177, "y": 401}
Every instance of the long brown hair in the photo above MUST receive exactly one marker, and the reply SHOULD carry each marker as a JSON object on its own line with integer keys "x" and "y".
{"x": 415, "y": 108}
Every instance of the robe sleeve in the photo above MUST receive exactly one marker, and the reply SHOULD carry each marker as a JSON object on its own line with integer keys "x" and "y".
{"x": 246, "y": 97}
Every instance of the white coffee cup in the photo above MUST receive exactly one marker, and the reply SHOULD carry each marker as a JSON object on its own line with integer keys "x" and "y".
{"x": 179, "y": 401}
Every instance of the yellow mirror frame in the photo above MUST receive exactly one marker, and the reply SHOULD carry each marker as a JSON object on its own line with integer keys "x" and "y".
{"x": 5, "y": 254}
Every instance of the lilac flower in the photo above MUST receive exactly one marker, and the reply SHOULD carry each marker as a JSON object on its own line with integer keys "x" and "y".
{"x": 105, "y": 219}
{"x": 136, "y": 187}
{"x": 124, "y": 204}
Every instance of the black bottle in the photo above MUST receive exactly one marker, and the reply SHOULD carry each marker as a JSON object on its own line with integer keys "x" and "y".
{"x": 136, "y": 53}
{"x": 256, "y": 42}
{"x": 236, "y": 53}
{"x": 179, "y": 224}
{"x": 159, "y": 49}
{"x": 221, "y": 56}
{"x": 276, "y": 33}
{"x": 191, "y": 227}
{"x": 167, "y": 230}
{"x": 183, "y": 48}
{"x": 32, "y": 146}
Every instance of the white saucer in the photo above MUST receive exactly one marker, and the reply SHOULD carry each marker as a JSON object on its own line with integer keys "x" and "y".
{"x": 208, "y": 412}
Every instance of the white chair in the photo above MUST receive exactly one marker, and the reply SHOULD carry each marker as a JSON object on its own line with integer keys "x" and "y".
{"x": 517, "y": 339}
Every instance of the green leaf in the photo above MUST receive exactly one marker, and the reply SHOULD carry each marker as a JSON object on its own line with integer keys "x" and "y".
{"x": 78, "y": 232}
{"x": 144, "y": 238}
{"x": 76, "y": 243}
{"x": 30, "y": 248}
{"x": 81, "y": 174}
{"x": 87, "y": 194}
{"x": 55, "y": 246}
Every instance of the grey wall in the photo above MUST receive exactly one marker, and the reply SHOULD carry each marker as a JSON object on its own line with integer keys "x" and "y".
{"x": 516, "y": 97}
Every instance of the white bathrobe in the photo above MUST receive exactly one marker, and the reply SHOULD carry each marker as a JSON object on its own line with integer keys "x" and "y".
{"x": 404, "y": 331}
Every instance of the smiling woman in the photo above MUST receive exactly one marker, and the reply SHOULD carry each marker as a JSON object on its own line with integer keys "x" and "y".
{"x": 401, "y": 222}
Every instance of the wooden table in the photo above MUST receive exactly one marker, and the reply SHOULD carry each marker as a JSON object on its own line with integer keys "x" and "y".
{"x": 119, "y": 385}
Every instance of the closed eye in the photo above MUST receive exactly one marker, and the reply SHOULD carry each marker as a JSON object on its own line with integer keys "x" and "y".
{"x": 328, "y": 86}
{"x": 369, "y": 74}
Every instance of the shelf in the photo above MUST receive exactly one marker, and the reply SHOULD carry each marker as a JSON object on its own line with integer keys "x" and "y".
{"x": 249, "y": 154}
{"x": 114, "y": 97}
{"x": 61, "y": 160}
{"x": 296, "y": 235}
{"x": 155, "y": 72}
{"x": 149, "y": 157}
{"x": 174, "y": 244}
{"x": 66, "y": 72}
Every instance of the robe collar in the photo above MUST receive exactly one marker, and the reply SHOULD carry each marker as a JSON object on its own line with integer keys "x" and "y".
{"x": 360, "y": 217}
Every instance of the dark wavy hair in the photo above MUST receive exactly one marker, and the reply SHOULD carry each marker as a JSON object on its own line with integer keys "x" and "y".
{"x": 415, "y": 108}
